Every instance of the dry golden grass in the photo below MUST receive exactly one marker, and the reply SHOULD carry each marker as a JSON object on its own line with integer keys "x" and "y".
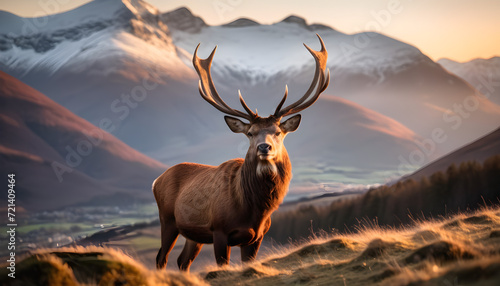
{"x": 459, "y": 250}
{"x": 90, "y": 266}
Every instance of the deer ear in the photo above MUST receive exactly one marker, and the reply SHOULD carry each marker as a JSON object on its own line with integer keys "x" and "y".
{"x": 291, "y": 124}
{"x": 236, "y": 125}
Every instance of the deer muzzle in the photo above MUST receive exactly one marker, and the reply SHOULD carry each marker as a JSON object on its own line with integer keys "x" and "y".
{"x": 264, "y": 151}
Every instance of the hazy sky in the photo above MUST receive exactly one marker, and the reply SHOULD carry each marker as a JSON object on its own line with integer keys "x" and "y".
{"x": 457, "y": 29}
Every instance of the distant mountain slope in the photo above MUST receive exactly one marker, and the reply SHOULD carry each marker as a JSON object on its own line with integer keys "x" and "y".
{"x": 483, "y": 74}
{"x": 478, "y": 150}
{"x": 258, "y": 52}
{"x": 60, "y": 159}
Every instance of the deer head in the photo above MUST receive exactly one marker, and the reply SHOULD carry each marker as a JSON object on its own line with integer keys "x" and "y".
{"x": 265, "y": 134}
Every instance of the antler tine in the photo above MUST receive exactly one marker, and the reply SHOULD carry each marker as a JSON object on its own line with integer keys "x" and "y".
{"x": 276, "y": 112}
{"x": 245, "y": 106}
{"x": 207, "y": 89}
{"x": 319, "y": 83}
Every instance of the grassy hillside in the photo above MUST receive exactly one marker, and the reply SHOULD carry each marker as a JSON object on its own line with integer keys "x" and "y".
{"x": 89, "y": 266}
{"x": 462, "y": 187}
{"x": 459, "y": 250}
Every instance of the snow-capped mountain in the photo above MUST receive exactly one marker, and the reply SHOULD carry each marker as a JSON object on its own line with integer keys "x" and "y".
{"x": 259, "y": 52}
{"x": 60, "y": 159}
{"x": 101, "y": 37}
{"x": 125, "y": 63}
{"x": 371, "y": 69}
{"x": 483, "y": 74}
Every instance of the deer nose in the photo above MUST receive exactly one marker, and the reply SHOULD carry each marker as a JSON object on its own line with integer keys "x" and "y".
{"x": 264, "y": 148}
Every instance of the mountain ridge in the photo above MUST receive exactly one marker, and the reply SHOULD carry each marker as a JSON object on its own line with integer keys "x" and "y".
{"x": 479, "y": 150}
{"x": 483, "y": 74}
{"x": 56, "y": 44}
{"x": 60, "y": 159}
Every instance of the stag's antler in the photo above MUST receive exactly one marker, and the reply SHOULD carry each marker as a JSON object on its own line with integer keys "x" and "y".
{"x": 209, "y": 93}
{"x": 319, "y": 83}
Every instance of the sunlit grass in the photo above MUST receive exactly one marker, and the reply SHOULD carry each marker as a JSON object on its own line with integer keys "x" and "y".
{"x": 437, "y": 250}
{"x": 463, "y": 248}
{"x": 90, "y": 266}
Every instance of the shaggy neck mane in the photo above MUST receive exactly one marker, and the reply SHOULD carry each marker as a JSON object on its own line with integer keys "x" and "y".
{"x": 264, "y": 191}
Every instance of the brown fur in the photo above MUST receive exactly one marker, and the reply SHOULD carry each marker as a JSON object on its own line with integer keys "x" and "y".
{"x": 232, "y": 202}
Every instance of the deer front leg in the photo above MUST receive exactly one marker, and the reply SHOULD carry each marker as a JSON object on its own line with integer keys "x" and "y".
{"x": 221, "y": 248}
{"x": 249, "y": 252}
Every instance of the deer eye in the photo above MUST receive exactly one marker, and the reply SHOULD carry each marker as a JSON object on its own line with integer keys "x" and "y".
{"x": 249, "y": 134}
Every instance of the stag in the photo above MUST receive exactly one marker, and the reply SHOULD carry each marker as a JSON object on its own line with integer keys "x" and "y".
{"x": 231, "y": 204}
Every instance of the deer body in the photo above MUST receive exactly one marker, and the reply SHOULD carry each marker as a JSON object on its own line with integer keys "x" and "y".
{"x": 231, "y": 204}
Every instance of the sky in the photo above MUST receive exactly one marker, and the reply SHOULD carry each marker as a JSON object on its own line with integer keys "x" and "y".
{"x": 460, "y": 30}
